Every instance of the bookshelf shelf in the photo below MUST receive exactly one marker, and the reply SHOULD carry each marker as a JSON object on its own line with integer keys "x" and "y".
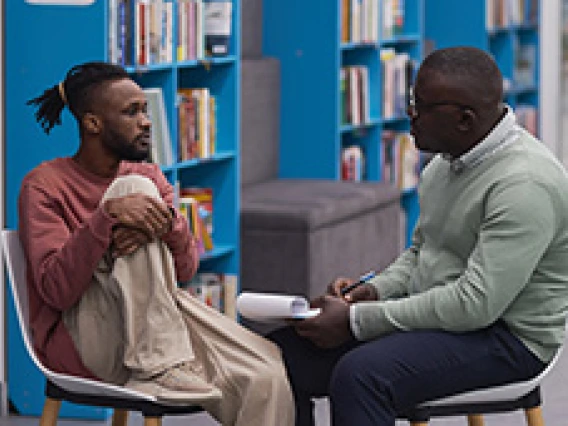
{"x": 313, "y": 57}
{"x": 197, "y": 162}
{"x": 392, "y": 121}
{"x": 509, "y": 30}
{"x": 207, "y": 62}
{"x": 218, "y": 252}
{"x": 353, "y": 46}
{"x": 349, "y": 128}
{"x": 408, "y": 38}
{"x": 37, "y": 55}
{"x": 522, "y": 90}
{"x": 141, "y": 69}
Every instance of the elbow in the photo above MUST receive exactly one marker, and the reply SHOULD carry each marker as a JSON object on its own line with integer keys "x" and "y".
{"x": 54, "y": 293}
{"x": 467, "y": 320}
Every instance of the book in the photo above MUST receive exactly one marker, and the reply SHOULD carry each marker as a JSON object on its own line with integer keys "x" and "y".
{"x": 160, "y": 134}
{"x": 352, "y": 164}
{"x": 230, "y": 295}
{"x": 268, "y": 307}
{"x": 217, "y": 22}
{"x": 217, "y": 290}
{"x": 208, "y": 288}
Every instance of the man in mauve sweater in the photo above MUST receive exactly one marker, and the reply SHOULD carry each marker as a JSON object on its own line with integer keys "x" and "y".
{"x": 105, "y": 249}
{"x": 480, "y": 297}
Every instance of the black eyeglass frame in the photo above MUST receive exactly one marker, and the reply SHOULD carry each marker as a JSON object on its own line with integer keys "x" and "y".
{"x": 416, "y": 108}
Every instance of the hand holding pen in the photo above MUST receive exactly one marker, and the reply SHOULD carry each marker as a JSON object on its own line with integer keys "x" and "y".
{"x": 354, "y": 291}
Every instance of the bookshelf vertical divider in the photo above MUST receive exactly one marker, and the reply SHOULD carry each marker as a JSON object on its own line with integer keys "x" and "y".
{"x": 306, "y": 38}
{"x": 38, "y": 54}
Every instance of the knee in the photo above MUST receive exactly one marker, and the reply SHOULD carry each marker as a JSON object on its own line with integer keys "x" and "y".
{"x": 130, "y": 184}
{"x": 269, "y": 380}
{"x": 353, "y": 379}
{"x": 345, "y": 379}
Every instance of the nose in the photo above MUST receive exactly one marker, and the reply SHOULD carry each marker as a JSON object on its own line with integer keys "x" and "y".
{"x": 145, "y": 121}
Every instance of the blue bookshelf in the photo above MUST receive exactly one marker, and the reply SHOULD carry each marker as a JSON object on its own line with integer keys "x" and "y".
{"x": 38, "y": 54}
{"x": 508, "y": 40}
{"x": 306, "y": 37}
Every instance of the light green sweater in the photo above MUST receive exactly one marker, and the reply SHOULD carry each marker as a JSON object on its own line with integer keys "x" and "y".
{"x": 491, "y": 242}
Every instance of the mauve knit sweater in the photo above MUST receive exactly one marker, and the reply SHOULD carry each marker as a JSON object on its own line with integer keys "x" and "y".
{"x": 64, "y": 233}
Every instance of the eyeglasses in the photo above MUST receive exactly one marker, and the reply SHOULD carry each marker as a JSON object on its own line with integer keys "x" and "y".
{"x": 414, "y": 108}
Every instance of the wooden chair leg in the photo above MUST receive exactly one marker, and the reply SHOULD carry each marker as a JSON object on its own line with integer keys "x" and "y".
{"x": 119, "y": 417}
{"x": 152, "y": 421}
{"x": 475, "y": 420}
{"x": 534, "y": 416}
{"x": 50, "y": 412}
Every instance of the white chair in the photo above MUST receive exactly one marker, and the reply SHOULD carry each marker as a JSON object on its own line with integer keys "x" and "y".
{"x": 515, "y": 396}
{"x": 62, "y": 387}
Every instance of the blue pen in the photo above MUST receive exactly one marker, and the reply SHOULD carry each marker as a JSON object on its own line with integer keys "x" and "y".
{"x": 362, "y": 280}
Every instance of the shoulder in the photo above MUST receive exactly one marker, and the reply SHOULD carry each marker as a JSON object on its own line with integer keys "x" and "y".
{"x": 46, "y": 175}
{"x": 529, "y": 162}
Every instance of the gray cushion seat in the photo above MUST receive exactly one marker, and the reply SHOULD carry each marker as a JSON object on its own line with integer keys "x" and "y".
{"x": 299, "y": 234}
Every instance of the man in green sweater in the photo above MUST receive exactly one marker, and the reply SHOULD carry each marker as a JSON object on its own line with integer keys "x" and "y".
{"x": 480, "y": 297}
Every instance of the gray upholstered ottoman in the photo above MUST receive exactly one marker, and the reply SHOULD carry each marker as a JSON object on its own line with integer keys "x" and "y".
{"x": 297, "y": 235}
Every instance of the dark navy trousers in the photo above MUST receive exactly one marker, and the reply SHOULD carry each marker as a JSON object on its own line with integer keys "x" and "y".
{"x": 372, "y": 383}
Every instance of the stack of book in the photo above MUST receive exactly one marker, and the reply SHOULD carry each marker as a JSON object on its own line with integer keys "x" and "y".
{"x": 360, "y": 21}
{"x": 197, "y": 123}
{"x": 354, "y": 95}
{"x": 400, "y": 160}
{"x": 524, "y": 68}
{"x": 393, "y": 18}
{"x": 398, "y": 71}
{"x": 204, "y": 29}
{"x": 352, "y": 164}
{"x": 196, "y": 204}
{"x": 216, "y": 290}
{"x": 140, "y": 32}
{"x": 507, "y": 13}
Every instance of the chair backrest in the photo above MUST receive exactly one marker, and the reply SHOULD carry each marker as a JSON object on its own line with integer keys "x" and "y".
{"x": 16, "y": 265}
{"x": 508, "y": 392}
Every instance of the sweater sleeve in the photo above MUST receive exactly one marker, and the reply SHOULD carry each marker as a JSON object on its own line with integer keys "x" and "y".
{"x": 516, "y": 230}
{"x": 179, "y": 240}
{"x": 60, "y": 261}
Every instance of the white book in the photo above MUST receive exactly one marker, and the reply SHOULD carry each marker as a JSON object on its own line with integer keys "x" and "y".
{"x": 365, "y": 94}
{"x": 168, "y": 25}
{"x": 199, "y": 29}
{"x": 161, "y": 140}
{"x": 388, "y": 19}
{"x": 113, "y": 31}
{"x": 269, "y": 307}
{"x": 182, "y": 31}
{"x": 230, "y": 295}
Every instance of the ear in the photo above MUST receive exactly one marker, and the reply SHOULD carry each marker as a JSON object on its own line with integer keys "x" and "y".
{"x": 92, "y": 123}
{"x": 467, "y": 120}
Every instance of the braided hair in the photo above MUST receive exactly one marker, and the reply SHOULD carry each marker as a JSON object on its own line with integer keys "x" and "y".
{"x": 76, "y": 91}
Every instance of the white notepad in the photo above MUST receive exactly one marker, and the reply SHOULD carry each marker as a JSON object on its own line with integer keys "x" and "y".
{"x": 268, "y": 307}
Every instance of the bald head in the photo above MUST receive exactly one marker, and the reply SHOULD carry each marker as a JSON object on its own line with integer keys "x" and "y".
{"x": 471, "y": 72}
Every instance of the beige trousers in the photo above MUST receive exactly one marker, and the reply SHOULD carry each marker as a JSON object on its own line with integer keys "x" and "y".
{"x": 133, "y": 321}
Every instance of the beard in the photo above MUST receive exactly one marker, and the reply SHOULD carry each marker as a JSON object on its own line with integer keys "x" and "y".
{"x": 124, "y": 149}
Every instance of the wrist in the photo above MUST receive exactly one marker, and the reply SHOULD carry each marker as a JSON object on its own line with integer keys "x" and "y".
{"x": 373, "y": 292}
{"x": 109, "y": 207}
